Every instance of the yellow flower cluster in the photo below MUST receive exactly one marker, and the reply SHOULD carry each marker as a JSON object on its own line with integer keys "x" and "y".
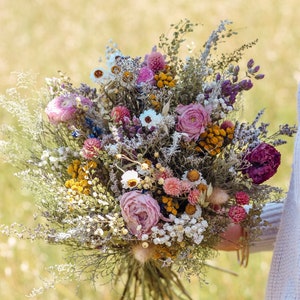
{"x": 155, "y": 104}
{"x": 163, "y": 252}
{"x": 214, "y": 138}
{"x": 170, "y": 205}
{"x": 165, "y": 79}
{"x": 79, "y": 182}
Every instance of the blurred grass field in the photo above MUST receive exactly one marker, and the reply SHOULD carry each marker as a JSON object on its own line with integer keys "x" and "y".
{"x": 46, "y": 36}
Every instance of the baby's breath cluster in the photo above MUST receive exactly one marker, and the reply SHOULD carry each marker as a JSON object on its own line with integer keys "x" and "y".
{"x": 140, "y": 175}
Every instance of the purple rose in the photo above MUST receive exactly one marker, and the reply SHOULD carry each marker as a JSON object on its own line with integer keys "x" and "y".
{"x": 264, "y": 160}
{"x": 192, "y": 120}
{"x": 64, "y": 108}
{"x": 140, "y": 212}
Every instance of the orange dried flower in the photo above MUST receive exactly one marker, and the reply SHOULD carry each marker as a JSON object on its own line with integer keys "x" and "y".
{"x": 193, "y": 175}
{"x": 190, "y": 209}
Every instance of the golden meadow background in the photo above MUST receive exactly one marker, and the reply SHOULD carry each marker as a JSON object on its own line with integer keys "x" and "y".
{"x": 70, "y": 35}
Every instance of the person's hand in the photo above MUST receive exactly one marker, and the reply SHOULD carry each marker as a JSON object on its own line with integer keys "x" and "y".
{"x": 230, "y": 239}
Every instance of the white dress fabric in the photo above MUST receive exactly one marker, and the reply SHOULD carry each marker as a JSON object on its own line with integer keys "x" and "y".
{"x": 284, "y": 277}
{"x": 271, "y": 213}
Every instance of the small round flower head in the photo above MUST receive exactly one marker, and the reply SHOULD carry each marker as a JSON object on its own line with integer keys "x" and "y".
{"x": 149, "y": 118}
{"x": 193, "y": 196}
{"x": 130, "y": 179}
{"x": 91, "y": 148}
{"x": 172, "y": 186}
{"x": 218, "y": 196}
{"x": 241, "y": 198}
{"x": 237, "y": 214}
{"x": 185, "y": 186}
{"x": 190, "y": 209}
{"x": 143, "y": 254}
{"x": 120, "y": 113}
{"x": 193, "y": 175}
{"x": 163, "y": 173}
{"x": 156, "y": 61}
{"x": 227, "y": 124}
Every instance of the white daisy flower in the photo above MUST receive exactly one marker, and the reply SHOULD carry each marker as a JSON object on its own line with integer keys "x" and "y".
{"x": 130, "y": 179}
{"x": 149, "y": 118}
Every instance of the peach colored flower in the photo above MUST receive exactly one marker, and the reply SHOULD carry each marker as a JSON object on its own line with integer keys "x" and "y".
{"x": 172, "y": 186}
{"x": 185, "y": 186}
{"x": 218, "y": 196}
{"x": 193, "y": 196}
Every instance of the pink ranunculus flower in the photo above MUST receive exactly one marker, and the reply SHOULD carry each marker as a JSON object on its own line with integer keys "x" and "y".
{"x": 120, "y": 113}
{"x": 192, "y": 120}
{"x": 264, "y": 161}
{"x": 63, "y": 109}
{"x": 146, "y": 75}
{"x": 140, "y": 212}
{"x": 91, "y": 148}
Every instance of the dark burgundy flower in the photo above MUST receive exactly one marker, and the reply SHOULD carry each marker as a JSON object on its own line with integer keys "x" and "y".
{"x": 264, "y": 161}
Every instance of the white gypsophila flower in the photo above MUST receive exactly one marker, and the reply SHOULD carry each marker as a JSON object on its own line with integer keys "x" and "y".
{"x": 130, "y": 179}
{"x": 149, "y": 118}
{"x": 185, "y": 226}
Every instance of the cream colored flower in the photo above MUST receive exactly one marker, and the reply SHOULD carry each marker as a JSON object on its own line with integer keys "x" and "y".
{"x": 130, "y": 179}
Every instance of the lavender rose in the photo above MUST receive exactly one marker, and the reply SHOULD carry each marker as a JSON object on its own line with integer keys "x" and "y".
{"x": 140, "y": 212}
{"x": 64, "y": 108}
{"x": 264, "y": 160}
{"x": 192, "y": 120}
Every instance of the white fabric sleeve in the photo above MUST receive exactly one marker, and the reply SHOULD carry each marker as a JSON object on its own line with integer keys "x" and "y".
{"x": 272, "y": 214}
{"x": 284, "y": 277}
